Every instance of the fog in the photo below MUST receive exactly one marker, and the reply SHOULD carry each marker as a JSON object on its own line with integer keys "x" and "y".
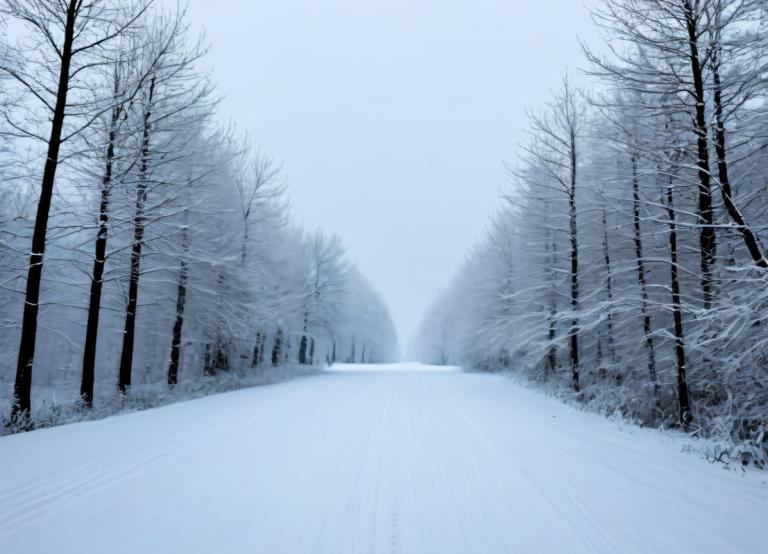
{"x": 392, "y": 118}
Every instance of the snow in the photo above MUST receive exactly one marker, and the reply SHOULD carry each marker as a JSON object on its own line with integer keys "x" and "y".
{"x": 57, "y": 405}
{"x": 379, "y": 459}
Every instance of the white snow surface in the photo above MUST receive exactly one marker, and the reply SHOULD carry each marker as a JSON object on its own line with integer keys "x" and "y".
{"x": 379, "y": 459}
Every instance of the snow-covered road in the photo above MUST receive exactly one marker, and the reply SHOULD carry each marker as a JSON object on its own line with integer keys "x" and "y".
{"x": 384, "y": 459}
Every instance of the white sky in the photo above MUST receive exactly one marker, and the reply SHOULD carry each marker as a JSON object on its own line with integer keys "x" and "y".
{"x": 392, "y": 117}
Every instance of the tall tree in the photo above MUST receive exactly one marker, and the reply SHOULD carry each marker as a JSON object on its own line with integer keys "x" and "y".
{"x": 731, "y": 29}
{"x": 555, "y": 148}
{"x": 174, "y": 99}
{"x": 684, "y": 399}
{"x": 694, "y": 14}
{"x": 664, "y": 52}
{"x": 126, "y": 357}
{"x": 128, "y": 79}
{"x": 70, "y": 39}
{"x": 642, "y": 282}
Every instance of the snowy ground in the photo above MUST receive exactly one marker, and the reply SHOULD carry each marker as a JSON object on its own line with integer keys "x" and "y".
{"x": 390, "y": 459}
{"x": 58, "y": 404}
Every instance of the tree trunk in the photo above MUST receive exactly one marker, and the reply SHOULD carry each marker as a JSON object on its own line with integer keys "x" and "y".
{"x": 312, "y": 351}
{"x": 257, "y": 351}
{"x": 277, "y": 347}
{"x": 608, "y": 291}
{"x": 99, "y": 260}
{"x": 552, "y": 353}
{"x": 303, "y": 350}
{"x": 245, "y": 241}
{"x": 181, "y": 296}
{"x": 647, "y": 328}
{"x": 22, "y": 388}
{"x": 574, "y": 333}
{"x": 684, "y": 399}
{"x": 126, "y": 357}
{"x": 750, "y": 240}
{"x": 707, "y": 238}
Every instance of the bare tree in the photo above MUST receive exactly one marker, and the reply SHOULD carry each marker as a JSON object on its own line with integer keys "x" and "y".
{"x": 729, "y": 27}
{"x": 175, "y": 97}
{"x": 324, "y": 289}
{"x": 70, "y": 40}
{"x": 643, "y": 284}
{"x": 684, "y": 398}
{"x": 259, "y": 189}
{"x": 555, "y": 148}
{"x": 656, "y": 48}
{"x": 130, "y": 73}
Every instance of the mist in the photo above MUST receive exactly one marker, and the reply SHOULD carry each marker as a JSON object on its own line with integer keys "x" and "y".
{"x": 393, "y": 118}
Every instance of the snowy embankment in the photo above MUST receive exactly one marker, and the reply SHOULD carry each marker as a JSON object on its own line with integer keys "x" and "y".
{"x": 59, "y": 405}
{"x": 402, "y": 459}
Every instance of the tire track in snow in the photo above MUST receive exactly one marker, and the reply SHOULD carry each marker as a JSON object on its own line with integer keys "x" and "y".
{"x": 126, "y": 460}
{"x": 407, "y": 461}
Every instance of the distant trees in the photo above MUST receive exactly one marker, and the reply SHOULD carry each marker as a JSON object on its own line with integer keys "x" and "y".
{"x": 365, "y": 327}
{"x": 660, "y": 278}
{"x": 169, "y": 249}
{"x": 324, "y": 291}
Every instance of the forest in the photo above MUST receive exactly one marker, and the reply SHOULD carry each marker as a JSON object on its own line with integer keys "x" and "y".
{"x": 625, "y": 268}
{"x": 217, "y": 219}
{"x": 147, "y": 248}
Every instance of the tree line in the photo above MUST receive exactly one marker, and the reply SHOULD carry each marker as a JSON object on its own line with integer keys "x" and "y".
{"x": 625, "y": 264}
{"x": 140, "y": 239}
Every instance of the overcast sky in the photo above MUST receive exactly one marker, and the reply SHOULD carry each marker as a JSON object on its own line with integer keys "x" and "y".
{"x": 392, "y": 117}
